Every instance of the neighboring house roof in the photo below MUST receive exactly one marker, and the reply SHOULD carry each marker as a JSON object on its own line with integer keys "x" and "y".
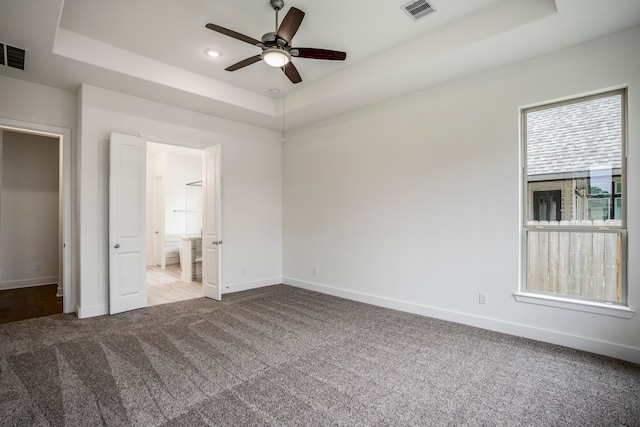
{"x": 575, "y": 137}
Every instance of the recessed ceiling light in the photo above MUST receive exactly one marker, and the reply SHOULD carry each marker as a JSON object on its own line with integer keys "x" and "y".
{"x": 213, "y": 53}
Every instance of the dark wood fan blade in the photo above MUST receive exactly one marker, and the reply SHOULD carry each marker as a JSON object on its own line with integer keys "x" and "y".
{"x": 313, "y": 53}
{"x": 233, "y": 34}
{"x": 290, "y": 24}
{"x": 244, "y": 63}
{"x": 292, "y": 72}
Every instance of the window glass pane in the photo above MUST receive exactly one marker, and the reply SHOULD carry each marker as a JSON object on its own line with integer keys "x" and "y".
{"x": 574, "y": 161}
{"x": 598, "y": 209}
{"x": 585, "y": 265}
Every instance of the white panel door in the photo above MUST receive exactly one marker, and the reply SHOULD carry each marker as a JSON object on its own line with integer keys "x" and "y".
{"x": 127, "y": 246}
{"x": 211, "y": 240}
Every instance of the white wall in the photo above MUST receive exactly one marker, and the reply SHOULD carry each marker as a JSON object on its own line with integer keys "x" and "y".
{"x": 415, "y": 204}
{"x": 29, "y": 207}
{"x": 34, "y": 103}
{"x": 251, "y": 199}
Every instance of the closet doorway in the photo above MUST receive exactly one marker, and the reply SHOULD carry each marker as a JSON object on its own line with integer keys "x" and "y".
{"x": 35, "y": 216}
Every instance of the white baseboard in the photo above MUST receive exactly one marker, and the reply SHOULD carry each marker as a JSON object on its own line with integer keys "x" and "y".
{"x": 29, "y": 283}
{"x": 245, "y": 286}
{"x": 617, "y": 351}
{"x": 92, "y": 311}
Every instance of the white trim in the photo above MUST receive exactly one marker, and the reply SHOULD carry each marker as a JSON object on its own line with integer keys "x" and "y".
{"x": 607, "y": 309}
{"x": 29, "y": 283}
{"x": 618, "y": 351}
{"x": 566, "y": 98}
{"x": 92, "y": 311}
{"x": 244, "y": 286}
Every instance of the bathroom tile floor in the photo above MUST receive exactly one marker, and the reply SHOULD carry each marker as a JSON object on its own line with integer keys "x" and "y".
{"x": 164, "y": 286}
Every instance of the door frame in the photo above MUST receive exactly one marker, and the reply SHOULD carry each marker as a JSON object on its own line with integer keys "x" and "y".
{"x": 67, "y": 289}
{"x": 158, "y": 219}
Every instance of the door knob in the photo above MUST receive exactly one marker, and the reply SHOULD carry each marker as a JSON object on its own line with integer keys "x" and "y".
{"x": 117, "y": 245}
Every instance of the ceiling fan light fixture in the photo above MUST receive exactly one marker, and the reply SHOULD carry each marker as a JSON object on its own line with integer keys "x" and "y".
{"x": 276, "y": 57}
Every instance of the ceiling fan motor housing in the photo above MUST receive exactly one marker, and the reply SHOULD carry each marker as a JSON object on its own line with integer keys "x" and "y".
{"x": 269, "y": 39}
{"x": 272, "y": 40}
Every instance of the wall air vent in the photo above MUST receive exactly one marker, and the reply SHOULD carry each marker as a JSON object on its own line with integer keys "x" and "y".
{"x": 11, "y": 56}
{"x": 418, "y": 9}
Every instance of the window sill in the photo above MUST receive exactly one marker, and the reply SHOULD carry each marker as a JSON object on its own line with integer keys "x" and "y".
{"x": 571, "y": 304}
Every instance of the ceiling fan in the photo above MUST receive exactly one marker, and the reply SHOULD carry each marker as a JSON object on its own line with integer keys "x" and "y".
{"x": 276, "y": 47}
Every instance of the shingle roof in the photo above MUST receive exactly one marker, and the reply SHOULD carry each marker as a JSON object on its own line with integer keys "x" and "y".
{"x": 575, "y": 137}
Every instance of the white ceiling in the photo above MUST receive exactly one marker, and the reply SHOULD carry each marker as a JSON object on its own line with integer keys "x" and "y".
{"x": 155, "y": 48}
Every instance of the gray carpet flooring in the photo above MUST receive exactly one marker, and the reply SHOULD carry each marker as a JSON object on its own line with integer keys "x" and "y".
{"x": 282, "y": 356}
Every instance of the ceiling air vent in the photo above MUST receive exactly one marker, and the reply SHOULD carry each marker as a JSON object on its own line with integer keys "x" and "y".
{"x": 418, "y": 9}
{"x": 12, "y": 56}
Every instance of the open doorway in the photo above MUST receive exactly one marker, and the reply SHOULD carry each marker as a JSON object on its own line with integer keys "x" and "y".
{"x": 35, "y": 220}
{"x": 174, "y": 223}
{"x": 129, "y": 235}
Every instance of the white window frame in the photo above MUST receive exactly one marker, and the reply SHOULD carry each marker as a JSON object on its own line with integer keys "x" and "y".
{"x": 561, "y": 301}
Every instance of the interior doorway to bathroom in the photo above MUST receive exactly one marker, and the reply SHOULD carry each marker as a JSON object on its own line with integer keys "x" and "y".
{"x": 174, "y": 223}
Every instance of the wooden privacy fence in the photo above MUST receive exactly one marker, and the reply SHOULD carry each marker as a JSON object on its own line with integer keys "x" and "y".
{"x": 581, "y": 263}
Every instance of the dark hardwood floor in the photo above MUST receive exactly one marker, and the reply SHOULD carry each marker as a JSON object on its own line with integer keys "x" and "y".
{"x": 27, "y": 303}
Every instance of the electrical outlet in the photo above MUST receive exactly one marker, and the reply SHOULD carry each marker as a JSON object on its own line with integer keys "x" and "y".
{"x": 244, "y": 270}
{"x": 36, "y": 267}
{"x": 314, "y": 271}
{"x": 482, "y": 298}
